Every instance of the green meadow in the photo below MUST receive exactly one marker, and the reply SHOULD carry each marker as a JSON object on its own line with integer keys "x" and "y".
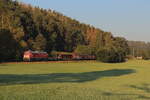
{"x": 75, "y": 81}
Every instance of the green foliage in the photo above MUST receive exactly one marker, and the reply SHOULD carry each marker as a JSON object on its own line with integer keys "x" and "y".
{"x": 116, "y": 50}
{"x": 110, "y": 54}
{"x": 86, "y": 50}
{"x": 121, "y": 43}
{"x": 39, "y": 43}
{"x": 8, "y": 46}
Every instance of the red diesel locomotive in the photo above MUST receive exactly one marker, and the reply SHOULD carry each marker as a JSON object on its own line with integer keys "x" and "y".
{"x": 35, "y": 56}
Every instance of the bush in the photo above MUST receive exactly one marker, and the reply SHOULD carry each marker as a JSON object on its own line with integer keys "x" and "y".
{"x": 110, "y": 55}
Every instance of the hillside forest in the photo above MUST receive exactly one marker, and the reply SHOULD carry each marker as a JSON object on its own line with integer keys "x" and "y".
{"x": 23, "y": 27}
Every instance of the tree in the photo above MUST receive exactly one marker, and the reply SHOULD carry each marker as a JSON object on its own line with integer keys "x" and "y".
{"x": 85, "y": 50}
{"x": 110, "y": 55}
{"x": 39, "y": 43}
{"x": 8, "y": 50}
{"x": 120, "y": 42}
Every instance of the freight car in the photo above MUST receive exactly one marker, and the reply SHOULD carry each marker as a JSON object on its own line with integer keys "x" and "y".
{"x": 64, "y": 56}
{"x": 35, "y": 56}
{"x": 83, "y": 57}
{"x": 74, "y": 56}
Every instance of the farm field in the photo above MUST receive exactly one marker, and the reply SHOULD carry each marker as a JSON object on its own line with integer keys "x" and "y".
{"x": 75, "y": 81}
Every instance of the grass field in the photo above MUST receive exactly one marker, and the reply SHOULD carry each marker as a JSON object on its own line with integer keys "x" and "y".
{"x": 75, "y": 81}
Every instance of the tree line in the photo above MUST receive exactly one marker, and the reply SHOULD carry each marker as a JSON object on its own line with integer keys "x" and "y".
{"x": 139, "y": 49}
{"x": 24, "y": 27}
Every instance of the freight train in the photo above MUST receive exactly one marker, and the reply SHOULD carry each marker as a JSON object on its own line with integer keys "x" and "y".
{"x": 43, "y": 56}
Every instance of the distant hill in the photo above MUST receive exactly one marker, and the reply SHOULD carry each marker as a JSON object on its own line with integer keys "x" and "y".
{"x": 46, "y": 30}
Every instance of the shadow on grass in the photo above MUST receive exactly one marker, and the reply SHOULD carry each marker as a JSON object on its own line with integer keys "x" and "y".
{"x": 61, "y": 77}
{"x": 143, "y": 87}
{"x": 127, "y": 95}
{"x": 139, "y": 96}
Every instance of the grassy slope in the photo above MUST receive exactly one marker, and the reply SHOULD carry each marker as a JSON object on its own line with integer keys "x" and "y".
{"x": 75, "y": 81}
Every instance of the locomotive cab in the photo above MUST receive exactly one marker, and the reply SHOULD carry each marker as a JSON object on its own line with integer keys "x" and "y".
{"x": 27, "y": 56}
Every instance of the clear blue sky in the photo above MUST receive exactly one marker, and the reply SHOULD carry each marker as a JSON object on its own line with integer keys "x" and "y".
{"x": 127, "y": 18}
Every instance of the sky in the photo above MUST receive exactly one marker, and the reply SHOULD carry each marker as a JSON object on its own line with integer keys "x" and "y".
{"x": 126, "y": 18}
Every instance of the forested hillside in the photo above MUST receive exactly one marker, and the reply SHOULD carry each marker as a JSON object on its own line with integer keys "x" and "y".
{"x": 24, "y": 27}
